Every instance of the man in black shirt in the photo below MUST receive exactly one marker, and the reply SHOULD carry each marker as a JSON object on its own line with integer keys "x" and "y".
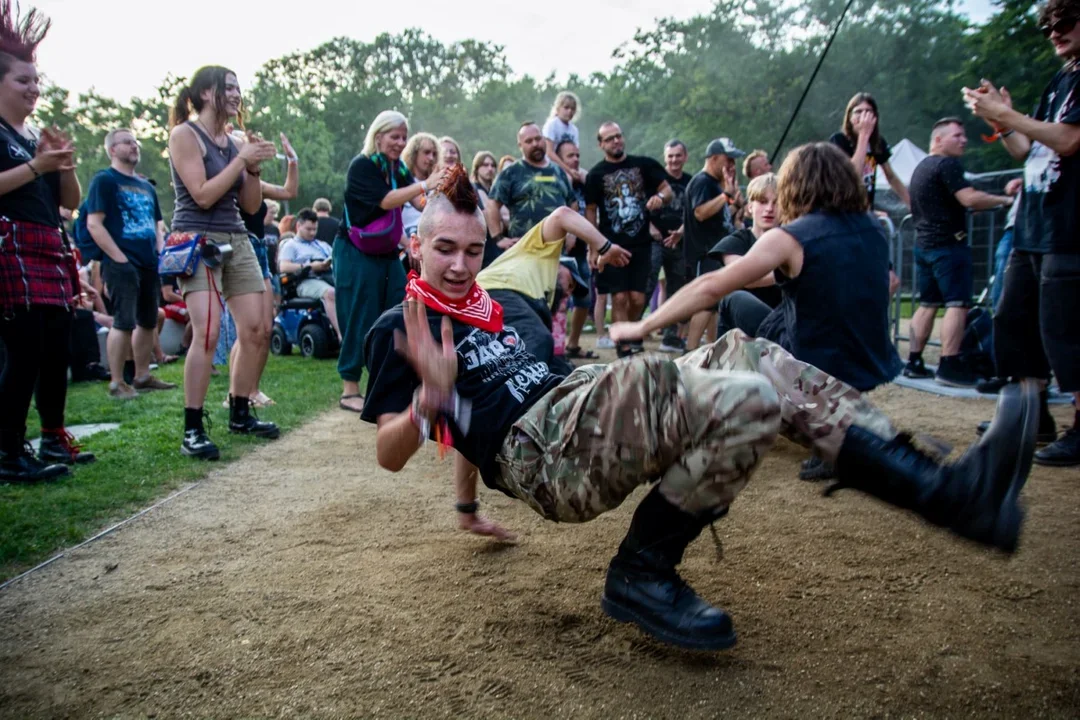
{"x": 712, "y": 199}
{"x": 573, "y": 448}
{"x": 1037, "y": 326}
{"x": 569, "y": 153}
{"x": 667, "y": 232}
{"x": 940, "y": 198}
{"x": 621, "y": 192}
{"x": 328, "y": 226}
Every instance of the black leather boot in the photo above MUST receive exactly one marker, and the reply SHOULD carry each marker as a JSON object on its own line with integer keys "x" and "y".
{"x": 975, "y": 497}
{"x": 1048, "y": 431}
{"x": 60, "y": 446}
{"x": 18, "y": 463}
{"x": 643, "y": 587}
{"x": 244, "y": 422}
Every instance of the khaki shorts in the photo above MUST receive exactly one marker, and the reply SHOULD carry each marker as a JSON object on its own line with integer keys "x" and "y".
{"x": 239, "y": 276}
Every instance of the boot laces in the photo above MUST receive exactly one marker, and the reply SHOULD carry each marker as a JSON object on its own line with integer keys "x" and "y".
{"x": 68, "y": 443}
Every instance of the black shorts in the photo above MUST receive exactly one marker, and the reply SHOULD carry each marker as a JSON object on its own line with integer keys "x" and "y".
{"x": 944, "y": 276}
{"x": 1036, "y": 323}
{"x": 633, "y": 277}
{"x": 698, "y": 266}
{"x": 133, "y": 294}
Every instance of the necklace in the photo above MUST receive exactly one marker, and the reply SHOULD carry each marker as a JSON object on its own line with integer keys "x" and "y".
{"x": 223, "y": 151}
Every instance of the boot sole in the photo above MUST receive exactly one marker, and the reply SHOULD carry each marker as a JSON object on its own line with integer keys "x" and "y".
{"x": 621, "y": 613}
{"x": 1022, "y": 433}
{"x": 269, "y": 434}
{"x": 43, "y": 477}
{"x": 200, "y": 454}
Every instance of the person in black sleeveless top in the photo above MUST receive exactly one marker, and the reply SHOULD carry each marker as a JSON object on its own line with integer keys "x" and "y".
{"x": 215, "y": 178}
{"x": 38, "y": 278}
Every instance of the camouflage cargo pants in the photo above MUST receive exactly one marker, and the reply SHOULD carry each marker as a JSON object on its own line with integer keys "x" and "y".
{"x": 699, "y": 424}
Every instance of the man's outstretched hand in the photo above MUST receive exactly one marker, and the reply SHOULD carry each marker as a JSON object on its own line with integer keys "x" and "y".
{"x": 626, "y": 331}
{"x": 436, "y": 363}
{"x": 480, "y": 525}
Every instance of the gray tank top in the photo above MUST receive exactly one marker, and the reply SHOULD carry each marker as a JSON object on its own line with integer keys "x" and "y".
{"x": 224, "y": 216}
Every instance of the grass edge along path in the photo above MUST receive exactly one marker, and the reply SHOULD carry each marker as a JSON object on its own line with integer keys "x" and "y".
{"x": 140, "y": 462}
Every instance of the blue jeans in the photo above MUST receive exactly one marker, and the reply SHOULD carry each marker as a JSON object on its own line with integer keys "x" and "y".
{"x": 1001, "y": 259}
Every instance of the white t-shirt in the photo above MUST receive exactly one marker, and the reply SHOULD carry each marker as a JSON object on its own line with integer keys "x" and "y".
{"x": 557, "y": 131}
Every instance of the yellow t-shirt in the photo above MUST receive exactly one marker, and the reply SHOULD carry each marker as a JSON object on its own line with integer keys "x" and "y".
{"x": 530, "y": 267}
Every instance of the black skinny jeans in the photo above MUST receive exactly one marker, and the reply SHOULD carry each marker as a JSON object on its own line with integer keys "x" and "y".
{"x": 36, "y": 340}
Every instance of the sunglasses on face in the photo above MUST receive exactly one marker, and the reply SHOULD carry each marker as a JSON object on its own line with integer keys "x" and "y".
{"x": 610, "y": 138}
{"x": 1063, "y": 26}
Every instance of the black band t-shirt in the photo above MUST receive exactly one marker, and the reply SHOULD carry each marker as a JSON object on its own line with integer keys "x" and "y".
{"x": 38, "y": 201}
{"x": 669, "y": 218}
{"x": 700, "y": 235}
{"x": 870, "y": 166}
{"x": 620, "y": 191}
{"x": 496, "y": 372}
{"x": 739, "y": 243}
{"x": 1047, "y": 221}
{"x": 940, "y": 219}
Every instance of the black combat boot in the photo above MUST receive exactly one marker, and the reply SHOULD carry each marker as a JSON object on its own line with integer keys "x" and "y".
{"x": 975, "y": 497}
{"x": 643, "y": 587}
{"x": 243, "y": 421}
{"x": 60, "y": 446}
{"x": 18, "y": 463}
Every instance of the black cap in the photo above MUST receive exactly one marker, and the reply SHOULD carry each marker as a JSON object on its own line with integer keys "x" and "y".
{"x": 723, "y": 146}
{"x": 581, "y": 288}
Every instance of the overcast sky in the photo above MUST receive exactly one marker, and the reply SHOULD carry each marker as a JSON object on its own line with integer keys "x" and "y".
{"x": 124, "y": 48}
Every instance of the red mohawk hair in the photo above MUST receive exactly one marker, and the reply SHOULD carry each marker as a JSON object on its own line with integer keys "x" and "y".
{"x": 459, "y": 190}
{"x": 19, "y": 37}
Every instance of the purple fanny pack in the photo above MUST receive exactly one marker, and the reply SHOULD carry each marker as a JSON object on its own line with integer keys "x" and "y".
{"x": 378, "y": 237}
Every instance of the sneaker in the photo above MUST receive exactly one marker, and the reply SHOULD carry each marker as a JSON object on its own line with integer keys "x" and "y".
{"x": 122, "y": 391}
{"x": 1065, "y": 452}
{"x": 672, "y": 345}
{"x": 991, "y": 386}
{"x": 197, "y": 444}
{"x": 150, "y": 382}
{"x": 25, "y": 467}
{"x": 953, "y": 374}
{"x": 628, "y": 350}
{"x": 62, "y": 447}
{"x": 916, "y": 370}
{"x": 605, "y": 343}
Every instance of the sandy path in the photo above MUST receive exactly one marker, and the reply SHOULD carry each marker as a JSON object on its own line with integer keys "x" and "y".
{"x": 305, "y": 581}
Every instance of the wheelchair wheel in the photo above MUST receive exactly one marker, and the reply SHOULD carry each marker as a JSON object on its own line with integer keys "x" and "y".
{"x": 314, "y": 342}
{"x": 279, "y": 343}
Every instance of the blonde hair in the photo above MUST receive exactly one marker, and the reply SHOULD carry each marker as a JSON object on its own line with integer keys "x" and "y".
{"x": 563, "y": 96}
{"x": 273, "y": 205}
{"x": 760, "y": 186}
{"x": 412, "y": 149}
{"x": 385, "y": 121}
{"x": 506, "y": 160}
{"x": 452, "y": 141}
{"x": 749, "y": 160}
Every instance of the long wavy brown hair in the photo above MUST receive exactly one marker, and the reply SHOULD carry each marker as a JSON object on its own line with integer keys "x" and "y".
{"x": 818, "y": 177}
{"x": 190, "y": 99}
{"x": 849, "y": 130}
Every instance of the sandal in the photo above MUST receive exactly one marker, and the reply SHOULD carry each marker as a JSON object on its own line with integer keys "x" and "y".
{"x": 350, "y": 408}
{"x": 575, "y": 353}
{"x": 261, "y": 400}
{"x": 168, "y": 359}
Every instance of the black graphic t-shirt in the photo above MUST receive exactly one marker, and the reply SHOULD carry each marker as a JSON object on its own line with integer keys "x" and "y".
{"x": 873, "y": 161}
{"x": 739, "y": 243}
{"x": 669, "y": 218}
{"x": 619, "y": 191}
{"x": 531, "y": 193}
{"x": 495, "y": 371}
{"x": 698, "y": 236}
{"x": 38, "y": 201}
{"x": 940, "y": 219}
{"x": 1047, "y": 221}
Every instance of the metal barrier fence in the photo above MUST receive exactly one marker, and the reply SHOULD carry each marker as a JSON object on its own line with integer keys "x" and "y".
{"x": 984, "y": 231}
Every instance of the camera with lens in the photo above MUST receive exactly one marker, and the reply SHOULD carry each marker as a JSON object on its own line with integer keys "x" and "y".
{"x": 215, "y": 255}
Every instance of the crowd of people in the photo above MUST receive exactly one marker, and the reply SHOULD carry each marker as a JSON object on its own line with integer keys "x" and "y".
{"x": 464, "y": 293}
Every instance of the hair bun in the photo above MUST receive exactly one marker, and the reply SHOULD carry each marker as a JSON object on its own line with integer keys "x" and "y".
{"x": 459, "y": 190}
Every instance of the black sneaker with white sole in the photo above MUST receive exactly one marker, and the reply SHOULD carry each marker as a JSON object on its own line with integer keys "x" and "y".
{"x": 917, "y": 370}
{"x": 197, "y": 444}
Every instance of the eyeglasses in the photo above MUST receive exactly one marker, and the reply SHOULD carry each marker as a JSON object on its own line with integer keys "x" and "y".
{"x": 1063, "y": 26}
{"x": 609, "y": 138}
{"x": 133, "y": 141}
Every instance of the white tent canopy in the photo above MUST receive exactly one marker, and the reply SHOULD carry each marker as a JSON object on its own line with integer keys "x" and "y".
{"x": 905, "y": 156}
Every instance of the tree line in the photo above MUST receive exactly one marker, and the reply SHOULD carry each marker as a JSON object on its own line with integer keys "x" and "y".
{"x": 737, "y": 71}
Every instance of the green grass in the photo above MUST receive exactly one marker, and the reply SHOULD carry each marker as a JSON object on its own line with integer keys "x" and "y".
{"x": 141, "y": 461}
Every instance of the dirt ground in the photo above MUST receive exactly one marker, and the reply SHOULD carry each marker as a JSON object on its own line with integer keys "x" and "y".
{"x": 305, "y": 581}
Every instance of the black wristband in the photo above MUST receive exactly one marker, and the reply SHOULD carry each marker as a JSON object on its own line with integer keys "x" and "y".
{"x": 607, "y": 246}
{"x": 468, "y": 508}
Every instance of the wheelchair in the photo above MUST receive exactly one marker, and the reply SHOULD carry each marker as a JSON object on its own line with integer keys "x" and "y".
{"x": 302, "y": 322}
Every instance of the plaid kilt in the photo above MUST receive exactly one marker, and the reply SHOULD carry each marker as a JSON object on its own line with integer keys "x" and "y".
{"x": 36, "y": 267}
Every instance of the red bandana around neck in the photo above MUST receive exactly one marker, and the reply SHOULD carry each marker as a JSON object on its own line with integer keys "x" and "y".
{"x": 476, "y": 308}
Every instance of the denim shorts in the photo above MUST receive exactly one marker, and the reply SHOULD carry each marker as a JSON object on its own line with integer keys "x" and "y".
{"x": 586, "y": 274}
{"x": 944, "y": 276}
{"x": 259, "y": 246}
